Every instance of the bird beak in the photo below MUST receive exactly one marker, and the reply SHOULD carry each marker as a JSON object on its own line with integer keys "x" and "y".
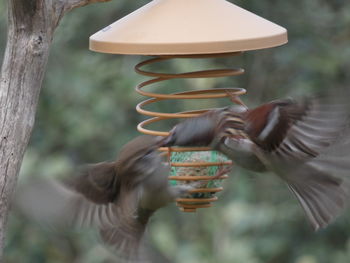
{"x": 236, "y": 99}
{"x": 168, "y": 140}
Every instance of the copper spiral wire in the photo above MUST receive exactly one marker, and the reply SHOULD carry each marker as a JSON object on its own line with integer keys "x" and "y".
{"x": 185, "y": 204}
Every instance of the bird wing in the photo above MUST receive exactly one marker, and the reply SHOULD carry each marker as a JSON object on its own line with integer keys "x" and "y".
{"x": 268, "y": 124}
{"x": 313, "y": 158}
{"x": 97, "y": 182}
{"x": 53, "y": 204}
{"x": 322, "y": 185}
{"x": 299, "y": 130}
{"x": 307, "y": 144}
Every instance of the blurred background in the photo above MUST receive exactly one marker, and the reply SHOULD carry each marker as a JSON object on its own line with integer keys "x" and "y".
{"x": 87, "y": 112}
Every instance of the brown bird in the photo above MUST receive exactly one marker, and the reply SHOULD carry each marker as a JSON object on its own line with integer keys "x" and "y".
{"x": 117, "y": 198}
{"x": 305, "y": 142}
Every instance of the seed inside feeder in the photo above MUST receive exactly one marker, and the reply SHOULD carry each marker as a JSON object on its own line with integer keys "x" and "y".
{"x": 196, "y": 157}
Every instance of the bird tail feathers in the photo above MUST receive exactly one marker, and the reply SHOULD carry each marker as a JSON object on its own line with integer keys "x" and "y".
{"x": 322, "y": 185}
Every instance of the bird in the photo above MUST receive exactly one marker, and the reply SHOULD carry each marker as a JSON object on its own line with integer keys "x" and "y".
{"x": 118, "y": 197}
{"x": 304, "y": 141}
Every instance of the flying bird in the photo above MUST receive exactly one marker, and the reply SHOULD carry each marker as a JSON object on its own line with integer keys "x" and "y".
{"x": 306, "y": 142}
{"x": 117, "y": 198}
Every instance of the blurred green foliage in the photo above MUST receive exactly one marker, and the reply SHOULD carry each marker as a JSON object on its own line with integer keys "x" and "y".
{"x": 86, "y": 114}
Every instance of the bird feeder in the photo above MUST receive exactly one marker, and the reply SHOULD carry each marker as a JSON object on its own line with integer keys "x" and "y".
{"x": 192, "y": 29}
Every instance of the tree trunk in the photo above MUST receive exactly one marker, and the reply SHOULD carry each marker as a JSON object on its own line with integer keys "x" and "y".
{"x": 31, "y": 24}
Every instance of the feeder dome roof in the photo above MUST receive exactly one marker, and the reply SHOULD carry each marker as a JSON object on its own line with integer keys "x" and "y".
{"x": 173, "y": 27}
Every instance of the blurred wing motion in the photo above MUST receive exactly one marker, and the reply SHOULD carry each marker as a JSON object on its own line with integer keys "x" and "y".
{"x": 298, "y": 140}
{"x": 97, "y": 182}
{"x": 57, "y": 206}
{"x": 117, "y": 198}
{"x": 296, "y": 129}
{"x": 106, "y": 196}
{"x": 301, "y": 142}
{"x": 322, "y": 187}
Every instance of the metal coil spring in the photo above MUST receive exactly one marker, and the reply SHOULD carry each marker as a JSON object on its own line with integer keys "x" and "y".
{"x": 185, "y": 204}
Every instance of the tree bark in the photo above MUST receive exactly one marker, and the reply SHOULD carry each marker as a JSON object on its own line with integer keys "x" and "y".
{"x": 31, "y": 25}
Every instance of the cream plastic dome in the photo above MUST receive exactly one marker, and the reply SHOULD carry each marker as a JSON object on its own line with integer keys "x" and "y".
{"x": 173, "y": 27}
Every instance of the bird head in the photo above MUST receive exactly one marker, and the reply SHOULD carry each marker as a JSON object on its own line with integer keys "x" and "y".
{"x": 201, "y": 130}
{"x": 139, "y": 158}
{"x": 197, "y": 131}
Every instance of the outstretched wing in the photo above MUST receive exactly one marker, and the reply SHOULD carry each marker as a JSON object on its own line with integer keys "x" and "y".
{"x": 53, "y": 204}
{"x": 267, "y": 125}
{"x": 312, "y": 156}
{"x": 96, "y": 182}
{"x": 322, "y": 185}
{"x": 297, "y": 130}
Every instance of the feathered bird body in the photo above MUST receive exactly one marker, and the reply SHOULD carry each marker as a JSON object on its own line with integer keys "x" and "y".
{"x": 297, "y": 140}
{"x": 117, "y": 198}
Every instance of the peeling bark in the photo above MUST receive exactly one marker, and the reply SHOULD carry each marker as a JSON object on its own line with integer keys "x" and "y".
{"x": 31, "y": 25}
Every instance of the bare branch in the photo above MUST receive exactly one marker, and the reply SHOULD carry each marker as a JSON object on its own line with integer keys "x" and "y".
{"x": 71, "y": 4}
{"x": 61, "y": 7}
{"x": 78, "y": 3}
